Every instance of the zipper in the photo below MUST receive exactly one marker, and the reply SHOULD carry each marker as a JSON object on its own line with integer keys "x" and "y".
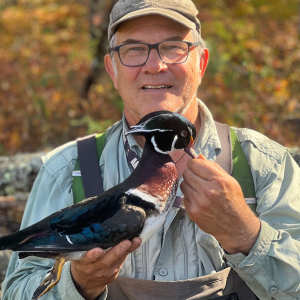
{"x": 144, "y": 261}
{"x": 184, "y": 246}
{"x": 167, "y": 225}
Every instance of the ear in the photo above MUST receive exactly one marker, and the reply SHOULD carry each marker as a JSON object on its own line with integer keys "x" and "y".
{"x": 204, "y": 61}
{"x": 110, "y": 70}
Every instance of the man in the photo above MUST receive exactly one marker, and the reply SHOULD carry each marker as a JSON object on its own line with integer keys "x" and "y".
{"x": 189, "y": 256}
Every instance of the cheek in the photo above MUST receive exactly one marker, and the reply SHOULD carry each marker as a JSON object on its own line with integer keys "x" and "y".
{"x": 190, "y": 76}
{"x": 128, "y": 75}
{"x": 126, "y": 84}
{"x": 190, "y": 84}
{"x": 194, "y": 69}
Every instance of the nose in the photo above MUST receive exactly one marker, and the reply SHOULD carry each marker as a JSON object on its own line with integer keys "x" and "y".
{"x": 154, "y": 64}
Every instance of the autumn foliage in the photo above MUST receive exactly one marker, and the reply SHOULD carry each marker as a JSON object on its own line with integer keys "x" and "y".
{"x": 254, "y": 72}
{"x": 253, "y": 78}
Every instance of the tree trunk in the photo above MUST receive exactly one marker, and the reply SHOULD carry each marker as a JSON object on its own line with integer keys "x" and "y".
{"x": 99, "y": 20}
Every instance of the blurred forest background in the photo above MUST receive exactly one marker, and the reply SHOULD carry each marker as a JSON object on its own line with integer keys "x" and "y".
{"x": 53, "y": 87}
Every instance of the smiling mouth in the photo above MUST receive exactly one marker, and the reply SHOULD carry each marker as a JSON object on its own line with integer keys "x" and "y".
{"x": 156, "y": 87}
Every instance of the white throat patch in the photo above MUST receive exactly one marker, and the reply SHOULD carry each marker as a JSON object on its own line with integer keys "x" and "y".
{"x": 164, "y": 152}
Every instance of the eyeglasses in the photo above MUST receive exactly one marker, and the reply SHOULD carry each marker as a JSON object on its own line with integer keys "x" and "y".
{"x": 170, "y": 52}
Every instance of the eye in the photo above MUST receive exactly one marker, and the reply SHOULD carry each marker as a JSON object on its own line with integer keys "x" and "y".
{"x": 183, "y": 133}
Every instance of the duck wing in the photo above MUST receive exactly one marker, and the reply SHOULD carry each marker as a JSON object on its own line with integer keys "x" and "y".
{"x": 78, "y": 229}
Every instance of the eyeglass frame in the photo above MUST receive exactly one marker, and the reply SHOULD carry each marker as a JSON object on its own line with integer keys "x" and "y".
{"x": 153, "y": 46}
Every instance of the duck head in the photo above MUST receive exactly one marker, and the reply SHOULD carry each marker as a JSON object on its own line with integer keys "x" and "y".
{"x": 167, "y": 131}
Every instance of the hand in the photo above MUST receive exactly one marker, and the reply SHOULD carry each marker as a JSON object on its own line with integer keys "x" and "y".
{"x": 214, "y": 201}
{"x": 99, "y": 267}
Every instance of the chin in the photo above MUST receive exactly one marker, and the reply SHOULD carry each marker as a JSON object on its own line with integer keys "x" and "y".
{"x": 139, "y": 111}
{"x": 169, "y": 104}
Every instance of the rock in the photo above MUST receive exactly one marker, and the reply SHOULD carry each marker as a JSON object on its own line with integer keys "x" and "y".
{"x": 11, "y": 214}
{"x": 17, "y": 174}
{"x": 297, "y": 158}
{"x": 295, "y": 152}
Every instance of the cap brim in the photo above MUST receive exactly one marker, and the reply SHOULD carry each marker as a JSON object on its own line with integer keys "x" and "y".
{"x": 173, "y": 15}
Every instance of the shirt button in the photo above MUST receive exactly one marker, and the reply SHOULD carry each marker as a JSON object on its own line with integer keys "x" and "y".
{"x": 231, "y": 265}
{"x": 163, "y": 272}
{"x": 273, "y": 289}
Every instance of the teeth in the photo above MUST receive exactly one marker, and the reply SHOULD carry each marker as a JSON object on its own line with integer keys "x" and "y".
{"x": 156, "y": 87}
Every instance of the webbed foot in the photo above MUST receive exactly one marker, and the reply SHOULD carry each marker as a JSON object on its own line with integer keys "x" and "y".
{"x": 51, "y": 279}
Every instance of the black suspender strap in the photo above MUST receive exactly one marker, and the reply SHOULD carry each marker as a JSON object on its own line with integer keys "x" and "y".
{"x": 224, "y": 159}
{"x": 89, "y": 166}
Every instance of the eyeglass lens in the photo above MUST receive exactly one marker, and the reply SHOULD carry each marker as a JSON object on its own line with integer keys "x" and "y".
{"x": 169, "y": 51}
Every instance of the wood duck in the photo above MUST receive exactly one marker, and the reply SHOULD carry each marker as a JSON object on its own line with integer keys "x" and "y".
{"x": 136, "y": 207}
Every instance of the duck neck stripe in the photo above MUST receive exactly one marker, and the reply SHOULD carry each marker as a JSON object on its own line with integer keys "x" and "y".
{"x": 133, "y": 160}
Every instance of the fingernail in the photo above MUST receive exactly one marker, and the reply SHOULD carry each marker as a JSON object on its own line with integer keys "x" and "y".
{"x": 136, "y": 244}
{"x": 125, "y": 246}
{"x": 202, "y": 157}
{"x": 99, "y": 253}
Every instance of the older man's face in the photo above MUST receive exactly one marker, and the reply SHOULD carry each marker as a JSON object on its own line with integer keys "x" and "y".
{"x": 156, "y": 85}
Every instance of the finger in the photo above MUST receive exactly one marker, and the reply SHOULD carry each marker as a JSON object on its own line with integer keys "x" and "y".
{"x": 184, "y": 188}
{"x": 118, "y": 253}
{"x": 194, "y": 181}
{"x": 136, "y": 242}
{"x": 91, "y": 256}
{"x": 95, "y": 254}
{"x": 191, "y": 196}
{"x": 191, "y": 208}
{"x": 201, "y": 156}
{"x": 187, "y": 203}
{"x": 212, "y": 163}
{"x": 204, "y": 168}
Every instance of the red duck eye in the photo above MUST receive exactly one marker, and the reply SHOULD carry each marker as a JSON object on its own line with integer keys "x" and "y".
{"x": 183, "y": 133}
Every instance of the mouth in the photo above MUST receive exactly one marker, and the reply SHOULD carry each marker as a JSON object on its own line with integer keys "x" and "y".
{"x": 156, "y": 87}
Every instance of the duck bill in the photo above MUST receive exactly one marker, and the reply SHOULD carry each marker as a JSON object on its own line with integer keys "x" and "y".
{"x": 190, "y": 149}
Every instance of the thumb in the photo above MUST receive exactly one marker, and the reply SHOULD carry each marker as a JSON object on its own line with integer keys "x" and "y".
{"x": 94, "y": 254}
{"x": 201, "y": 156}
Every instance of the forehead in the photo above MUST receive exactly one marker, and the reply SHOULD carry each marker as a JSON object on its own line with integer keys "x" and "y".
{"x": 152, "y": 26}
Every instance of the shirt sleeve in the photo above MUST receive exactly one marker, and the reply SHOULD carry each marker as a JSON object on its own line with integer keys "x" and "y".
{"x": 51, "y": 191}
{"x": 272, "y": 267}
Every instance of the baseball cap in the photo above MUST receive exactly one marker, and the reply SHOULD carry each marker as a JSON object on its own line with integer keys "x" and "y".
{"x": 181, "y": 11}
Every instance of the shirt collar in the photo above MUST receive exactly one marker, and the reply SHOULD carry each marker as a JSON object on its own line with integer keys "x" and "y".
{"x": 208, "y": 142}
{"x": 131, "y": 140}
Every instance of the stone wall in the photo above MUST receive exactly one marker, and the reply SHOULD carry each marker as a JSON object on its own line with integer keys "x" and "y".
{"x": 296, "y": 156}
{"x": 17, "y": 174}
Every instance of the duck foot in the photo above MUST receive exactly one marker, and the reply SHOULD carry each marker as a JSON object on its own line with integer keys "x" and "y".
{"x": 51, "y": 279}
